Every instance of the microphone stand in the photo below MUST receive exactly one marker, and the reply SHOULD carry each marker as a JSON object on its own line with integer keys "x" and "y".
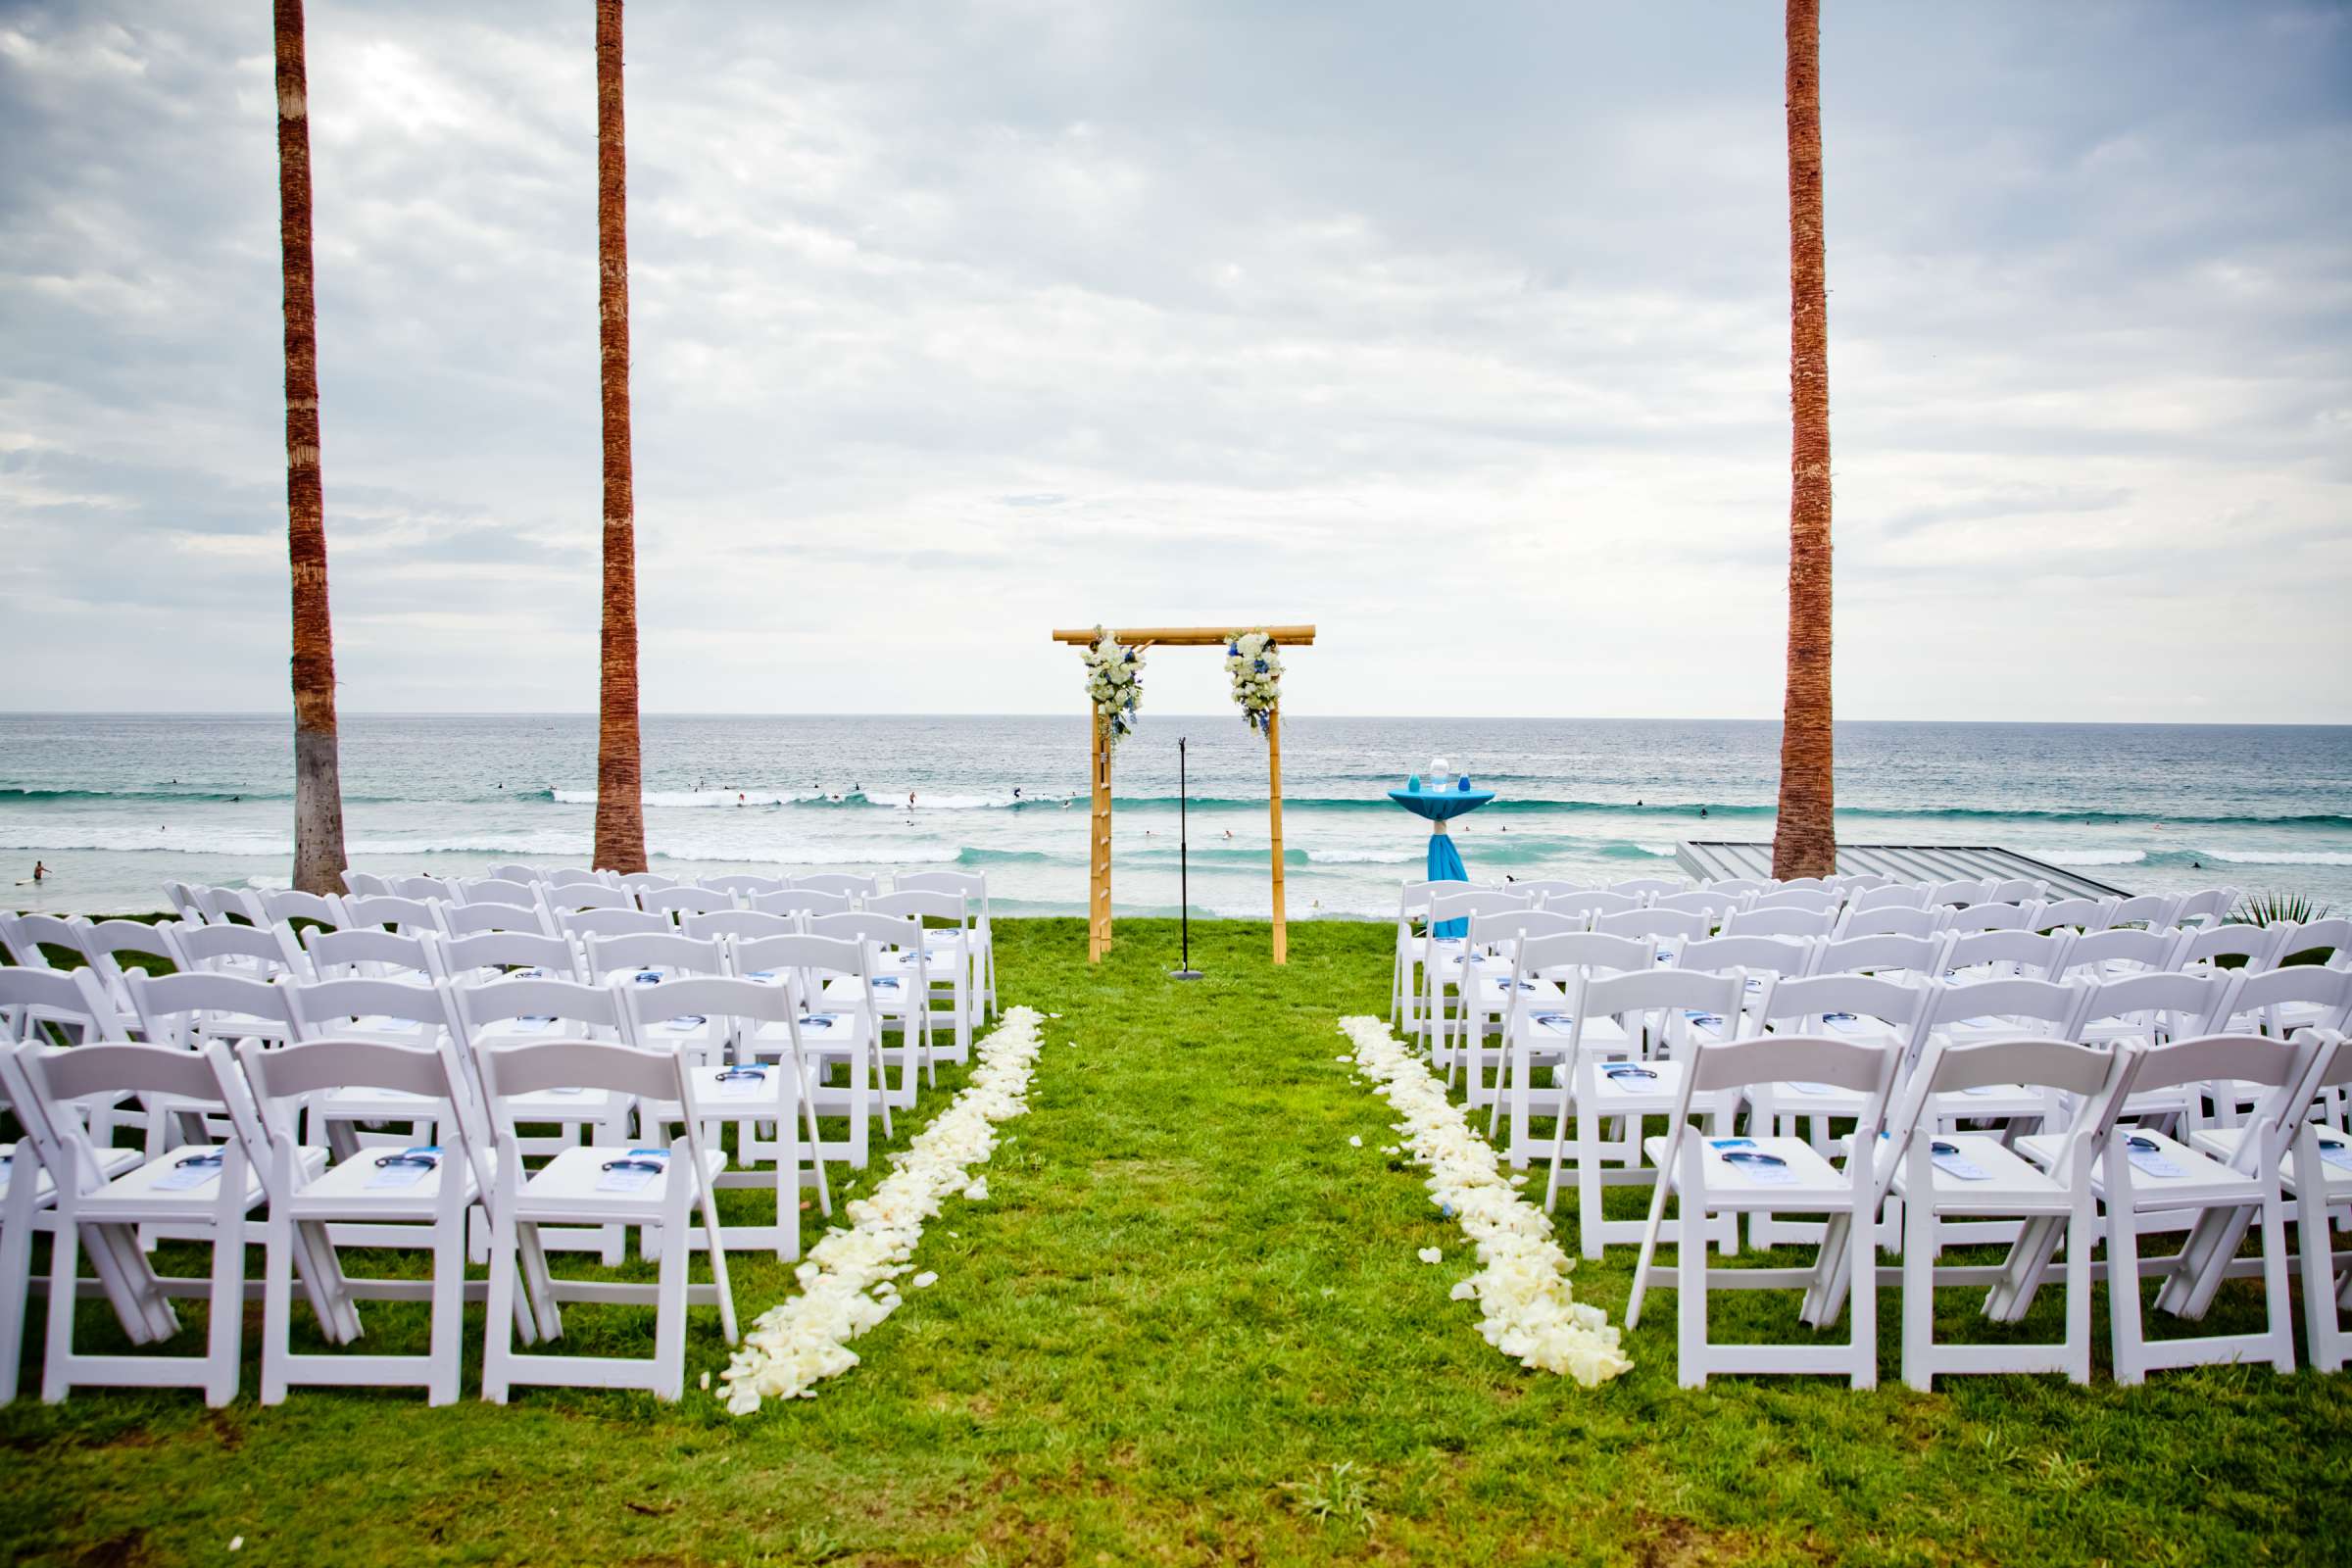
{"x": 1184, "y": 864}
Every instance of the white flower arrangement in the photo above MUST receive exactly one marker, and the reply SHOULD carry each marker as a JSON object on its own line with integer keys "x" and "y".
{"x": 1114, "y": 683}
{"x": 1527, "y": 1311}
{"x": 848, "y": 1280}
{"x": 1255, "y": 666}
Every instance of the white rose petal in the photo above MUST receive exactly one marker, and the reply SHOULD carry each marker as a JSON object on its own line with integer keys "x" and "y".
{"x": 1355, "y": 1142}
{"x": 925, "y": 1280}
{"x": 1432, "y": 1255}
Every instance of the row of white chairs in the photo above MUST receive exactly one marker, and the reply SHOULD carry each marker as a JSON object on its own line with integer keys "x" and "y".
{"x": 2086, "y": 1182}
{"x": 753, "y": 1024}
{"x": 520, "y": 898}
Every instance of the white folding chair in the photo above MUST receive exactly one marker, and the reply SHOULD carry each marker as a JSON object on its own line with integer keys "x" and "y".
{"x": 199, "y": 1191}
{"x": 1539, "y": 1027}
{"x": 2149, "y": 1181}
{"x": 386, "y": 1010}
{"x": 768, "y": 1103}
{"x": 686, "y": 901}
{"x": 830, "y": 1022}
{"x": 979, "y": 934}
{"x": 747, "y": 924}
{"x": 2255, "y": 947}
{"x": 410, "y": 916}
{"x": 652, "y": 957}
{"x": 2002, "y": 954}
{"x": 844, "y": 882}
{"x": 471, "y": 919}
{"x": 1894, "y": 896}
{"x": 1405, "y": 967}
{"x": 285, "y": 905}
{"x": 743, "y": 884}
{"x": 1813, "y": 900}
{"x": 581, "y": 924}
{"x": 1445, "y": 957}
{"x": 427, "y": 1185}
{"x": 561, "y": 899}
{"x": 2153, "y": 911}
{"x": 2207, "y": 907}
{"x": 253, "y": 951}
{"x": 600, "y": 1183}
{"x": 1986, "y": 918}
{"x": 2081, "y": 915}
{"x": 897, "y": 978}
{"x": 369, "y": 953}
{"x": 489, "y": 956}
{"x": 2119, "y": 952}
{"x": 1587, "y": 903}
{"x": 1720, "y": 1175}
{"x": 1939, "y": 1177}
{"x": 793, "y": 903}
{"x": 1891, "y": 920}
{"x": 949, "y": 963}
{"x": 1629, "y": 1044}
{"x": 1655, "y": 926}
{"x": 496, "y": 890}
{"x": 1488, "y": 986}
{"x": 1780, "y": 920}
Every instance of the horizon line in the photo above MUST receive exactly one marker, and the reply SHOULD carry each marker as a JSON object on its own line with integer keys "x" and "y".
{"x": 1419, "y": 719}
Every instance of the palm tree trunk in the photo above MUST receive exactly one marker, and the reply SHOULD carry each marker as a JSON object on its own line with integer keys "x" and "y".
{"x": 1805, "y": 842}
{"x": 318, "y": 767}
{"x": 620, "y": 766}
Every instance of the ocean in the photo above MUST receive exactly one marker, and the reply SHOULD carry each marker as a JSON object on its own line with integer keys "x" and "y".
{"x": 115, "y": 804}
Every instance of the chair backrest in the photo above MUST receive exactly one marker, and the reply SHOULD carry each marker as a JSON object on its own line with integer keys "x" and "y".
{"x": 414, "y": 916}
{"x": 1535, "y": 887}
{"x": 1514, "y": 925}
{"x": 1819, "y": 902}
{"x": 1763, "y": 956}
{"x": 286, "y": 905}
{"x": 326, "y": 1007}
{"x": 803, "y": 901}
{"x": 487, "y": 956}
{"x": 1784, "y": 921}
{"x": 1866, "y": 1069}
{"x": 495, "y": 889}
{"x": 1654, "y": 925}
{"x": 106, "y": 943}
{"x": 638, "y": 882}
{"x": 1464, "y": 905}
{"x": 816, "y": 957}
{"x": 1737, "y": 886}
{"x": 170, "y": 1005}
{"x": 608, "y": 955}
{"x": 358, "y": 884}
{"x": 1992, "y": 917}
{"x": 2010, "y": 951}
{"x": 2097, "y": 952}
{"x": 2083, "y": 915}
{"x": 574, "y": 876}
{"x": 1894, "y": 920}
{"x": 1810, "y": 998}
{"x": 587, "y": 896}
{"x": 690, "y": 900}
{"x": 885, "y": 930}
{"x": 510, "y": 1071}
{"x": 2206, "y": 906}
{"x": 713, "y": 996}
{"x": 566, "y": 1001}
{"x": 2095, "y": 1078}
{"x": 1673, "y": 992}
{"x": 2052, "y": 1005}
{"x": 282, "y": 1077}
{"x": 862, "y": 887}
{"x": 429, "y": 889}
{"x": 182, "y": 899}
{"x": 2017, "y": 890}
{"x": 1707, "y": 901}
{"x": 920, "y": 904}
{"x": 366, "y": 951}
{"x": 973, "y": 885}
{"x": 113, "y": 1067}
{"x": 244, "y": 950}
{"x": 69, "y": 996}
{"x": 2255, "y": 943}
{"x": 1896, "y": 896}
{"x": 1962, "y": 891}
{"x": 27, "y": 934}
{"x": 2151, "y": 909}
{"x": 2329, "y": 990}
{"x": 223, "y": 905}
{"x": 737, "y": 923}
{"x": 529, "y": 876}
{"x": 1649, "y": 887}
{"x": 2191, "y": 1003}
{"x": 2281, "y": 1066}
{"x": 1588, "y": 904}
{"x": 464, "y": 920}
{"x": 743, "y": 882}
{"x": 2331, "y": 937}
{"x": 624, "y": 922}
{"x": 1920, "y": 956}
{"x": 1585, "y": 950}
{"x": 1818, "y": 884}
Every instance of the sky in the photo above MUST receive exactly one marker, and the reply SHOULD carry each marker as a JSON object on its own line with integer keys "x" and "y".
{"x": 1458, "y": 331}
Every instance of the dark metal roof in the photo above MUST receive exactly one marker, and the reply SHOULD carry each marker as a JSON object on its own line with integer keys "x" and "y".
{"x": 1716, "y": 859}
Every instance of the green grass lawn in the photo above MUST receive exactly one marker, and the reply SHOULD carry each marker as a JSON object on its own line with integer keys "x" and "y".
{"x": 1188, "y": 1326}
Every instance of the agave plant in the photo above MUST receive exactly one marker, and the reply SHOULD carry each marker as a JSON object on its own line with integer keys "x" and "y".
{"x": 2277, "y": 909}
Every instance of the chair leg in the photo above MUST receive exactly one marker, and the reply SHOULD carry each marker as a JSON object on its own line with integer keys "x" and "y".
{"x": 277, "y": 1305}
{"x": 445, "y": 1370}
{"x": 669, "y": 1319}
{"x": 2273, "y": 1284}
{"x": 2123, "y": 1298}
{"x": 224, "y": 1314}
{"x": 2081, "y": 1234}
{"x": 2322, "y": 1324}
{"x": 1690, "y": 1310}
{"x": 64, "y": 1266}
{"x": 498, "y": 1336}
{"x": 1919, "y": 1295}
{"x": 1863, "y": 1308}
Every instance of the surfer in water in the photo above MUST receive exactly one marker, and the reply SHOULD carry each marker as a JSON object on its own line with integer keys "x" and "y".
{"x": 41, "y": 871}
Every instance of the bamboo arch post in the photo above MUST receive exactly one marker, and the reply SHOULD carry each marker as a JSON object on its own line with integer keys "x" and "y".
{"x": 1098, "y": 824}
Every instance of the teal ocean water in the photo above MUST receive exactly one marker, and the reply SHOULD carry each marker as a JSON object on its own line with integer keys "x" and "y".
{"x": 115, "y": 804}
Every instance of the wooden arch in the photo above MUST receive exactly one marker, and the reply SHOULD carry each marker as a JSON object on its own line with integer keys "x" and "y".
{"x": 1097, "y": 827}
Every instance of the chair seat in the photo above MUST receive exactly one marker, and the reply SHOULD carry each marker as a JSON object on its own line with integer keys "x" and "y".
{"x": 1630, "y": 1095}
{"x": 2223, "y": 1143}
{"x": 565, "y": 1188}
{"x": 1992, "y": 1102}
{"x": 725, "y": 1098}
{"x": 2011, "y": 1184}
{"x": 2203, "y": 1180}
{"x": 1816, "y": 1184}
{"x": 347, "y": 1191}
{"x": 137, "y": 1195}
{"x": 821, "y": 1031}
{"x": 113, "y": 1162}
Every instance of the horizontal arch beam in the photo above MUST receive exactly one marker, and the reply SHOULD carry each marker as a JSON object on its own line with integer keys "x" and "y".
{"x": 1188, "y": 636}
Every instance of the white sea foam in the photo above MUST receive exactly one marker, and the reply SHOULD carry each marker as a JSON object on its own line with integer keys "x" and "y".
{"x": 2091, "y": 857}
{"x": 1361, "y": 856}
{"x": 2279, "y": 857}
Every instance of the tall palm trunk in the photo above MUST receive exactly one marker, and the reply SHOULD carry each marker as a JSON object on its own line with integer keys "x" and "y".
{"x": 318, "y": 768}
{"x": 619, "y": 767}
{"x": 1805, "y": 843}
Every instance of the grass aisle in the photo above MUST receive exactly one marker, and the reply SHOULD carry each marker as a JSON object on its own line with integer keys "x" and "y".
{"x": 1189, "y": 1326}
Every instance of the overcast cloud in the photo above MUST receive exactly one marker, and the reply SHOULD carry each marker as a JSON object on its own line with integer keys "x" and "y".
{"x": 1462, "y": 332}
